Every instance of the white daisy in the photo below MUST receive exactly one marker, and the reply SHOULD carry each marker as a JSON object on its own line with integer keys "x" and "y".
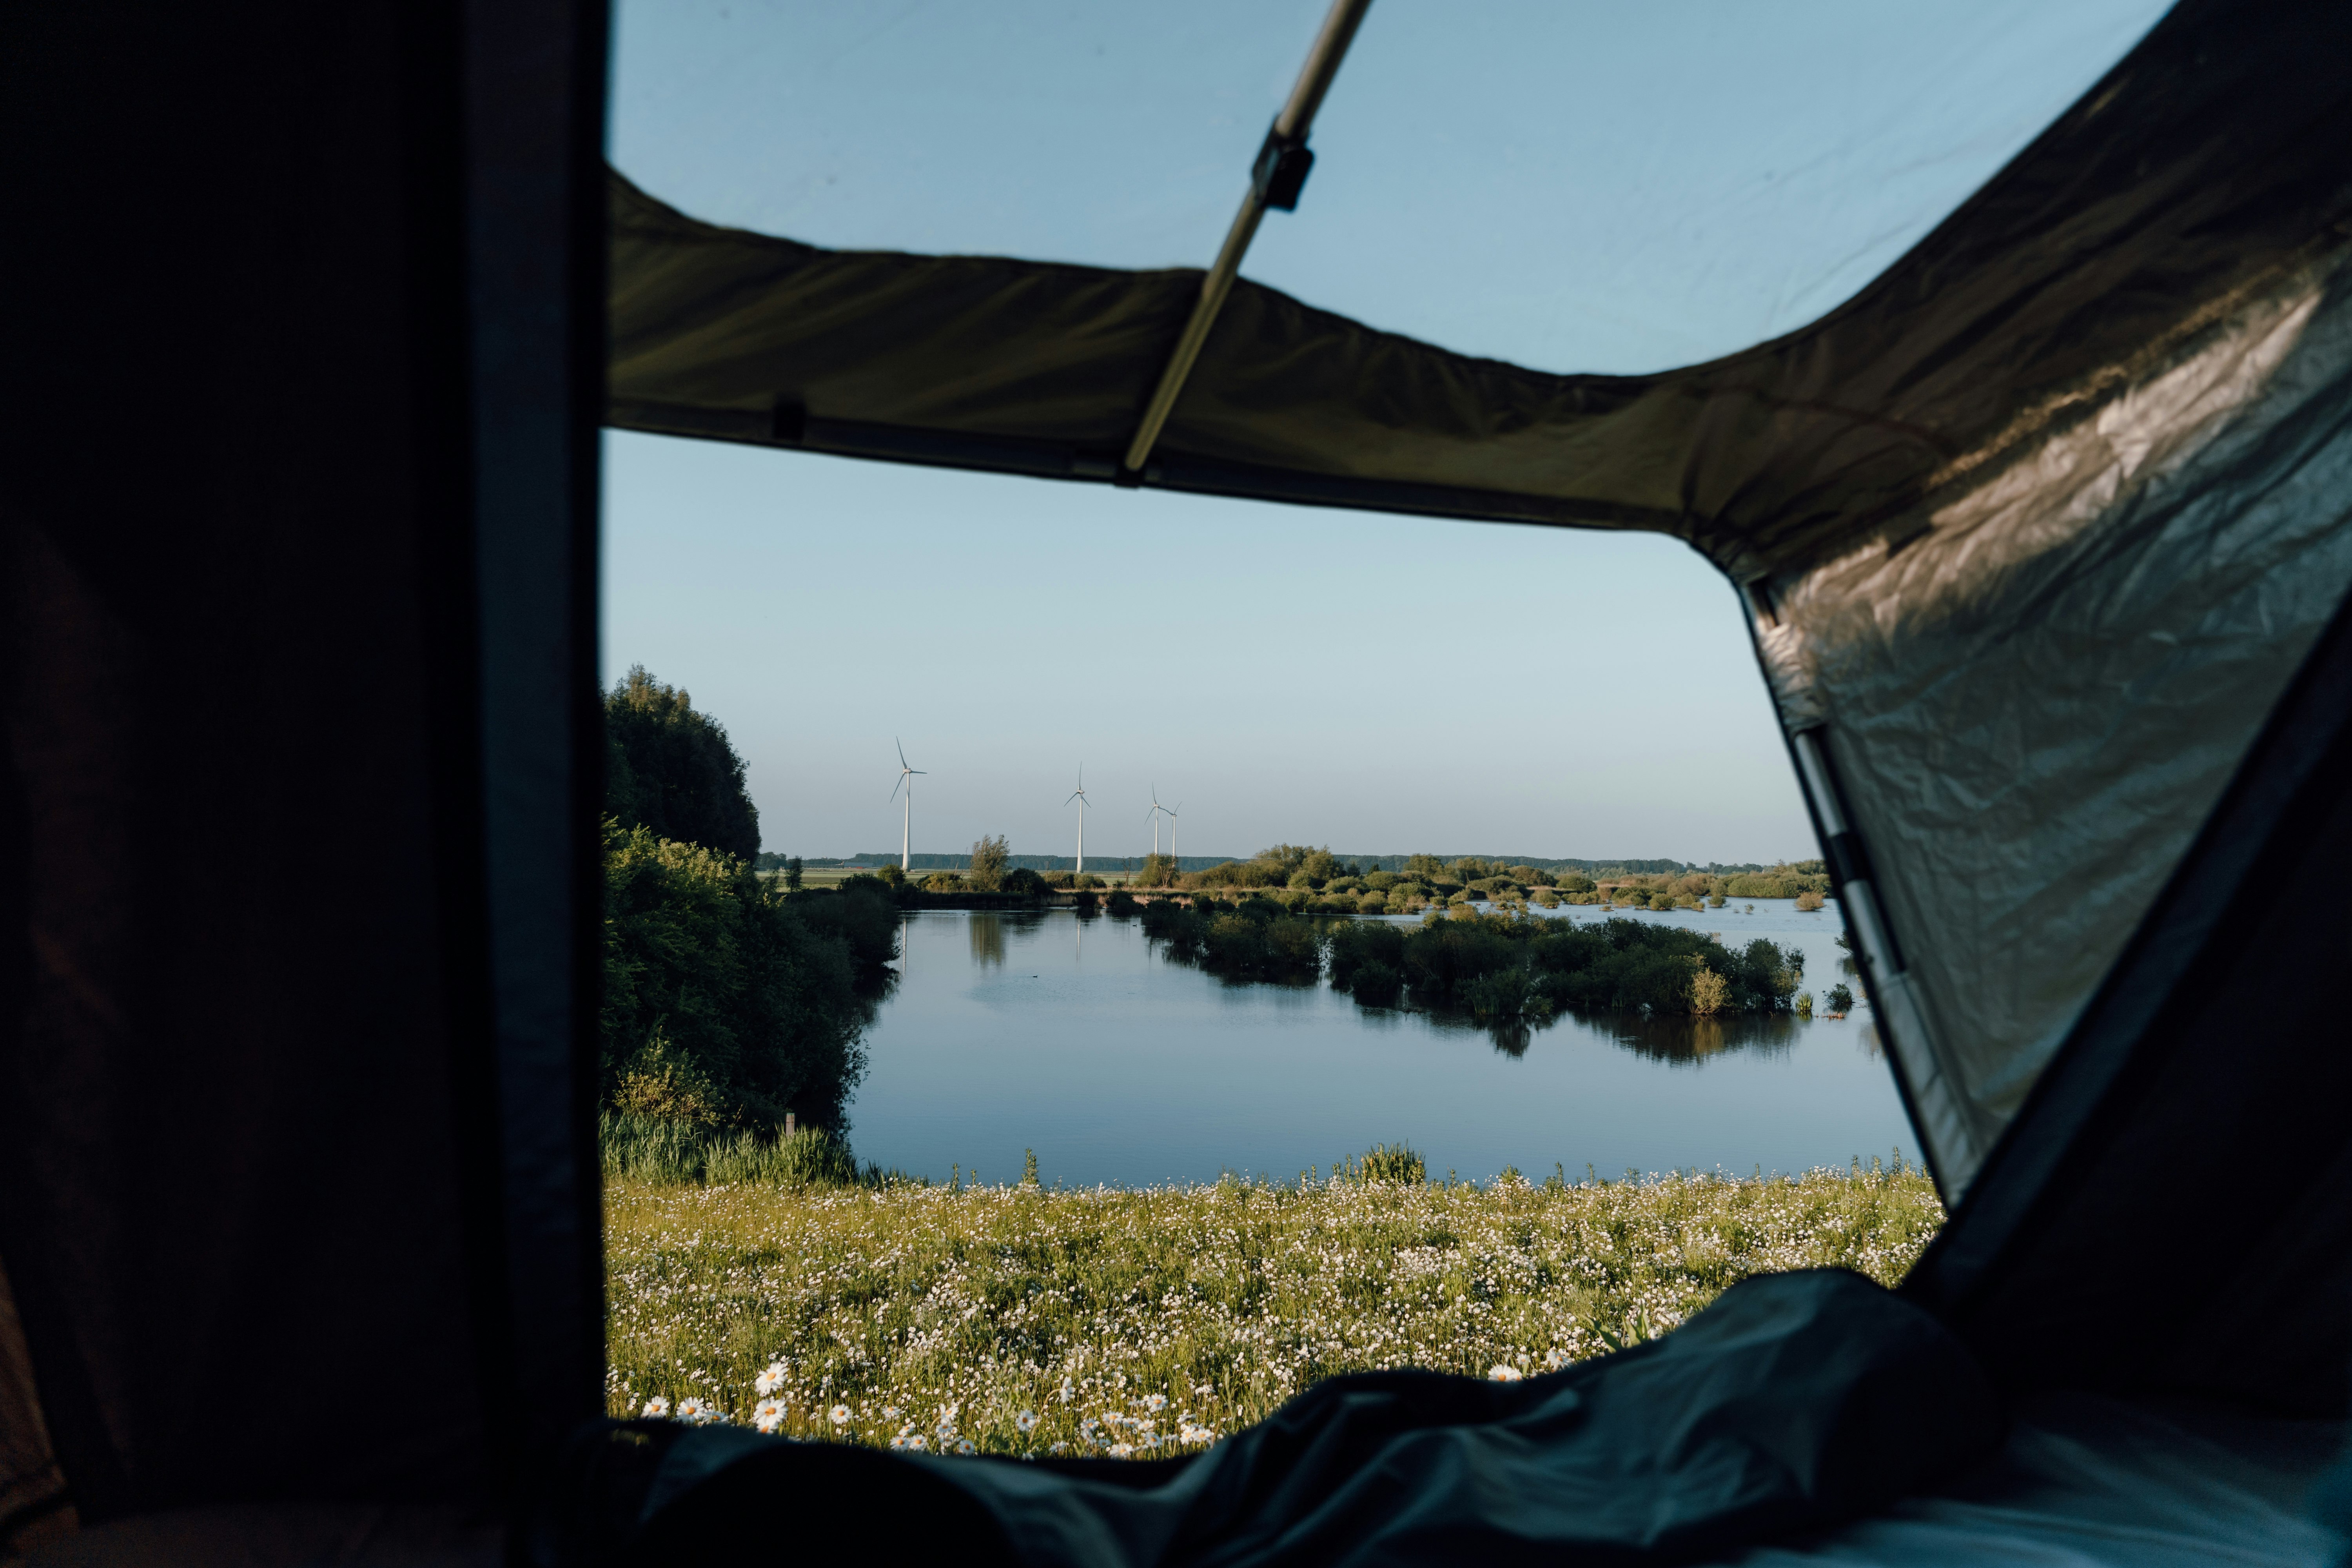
{"x": 838, "y": 1414}
{"x": 1026, "y": 1420}
{"x": 771, "y": 1381}
{"x": 963, "y": 1446}
{"x": 768, "y": 1414}
{"x": 657, "y": 1407}
{"x": 1155, "y": 1403}
{"x": 1121, "y": 1450}
{"x": 1504, "y": 1372}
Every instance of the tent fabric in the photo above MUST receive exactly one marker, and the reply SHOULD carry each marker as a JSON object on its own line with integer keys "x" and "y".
{"x": 2034, "y": 531}
{"x": 292, "y": 1209}
{"x": 2168, "y": 1211}
{"x": 1768, "y": 1412}
{"x": 2088, "y": 1482}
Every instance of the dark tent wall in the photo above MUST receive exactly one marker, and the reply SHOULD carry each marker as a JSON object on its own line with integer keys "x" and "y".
{"x": 297, "y": 561}
{"x": 2034, "y": 529}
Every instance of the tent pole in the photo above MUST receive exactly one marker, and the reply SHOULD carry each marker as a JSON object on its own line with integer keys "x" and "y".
{"x": 1275, "y": 180}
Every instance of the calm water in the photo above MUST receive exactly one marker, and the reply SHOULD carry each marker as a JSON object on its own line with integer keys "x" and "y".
{"x": 1077, "y": 1038}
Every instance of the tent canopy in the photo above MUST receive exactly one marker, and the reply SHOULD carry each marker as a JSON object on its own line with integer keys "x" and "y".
{"x": 2078, "y": 444}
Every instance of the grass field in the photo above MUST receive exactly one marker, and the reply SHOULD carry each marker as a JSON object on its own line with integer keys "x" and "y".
{"x": 1026, "y": 1318}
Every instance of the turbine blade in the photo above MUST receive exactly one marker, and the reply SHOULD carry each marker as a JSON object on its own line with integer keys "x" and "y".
{"x": 1073, "y": 797}
{"x": 894, "y": 788}
{"x": 902, "y": 749}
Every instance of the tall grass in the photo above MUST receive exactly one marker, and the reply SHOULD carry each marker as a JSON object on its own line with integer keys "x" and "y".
{"x": 1027, "y": 1318}
{"x": 655, "y": 1151}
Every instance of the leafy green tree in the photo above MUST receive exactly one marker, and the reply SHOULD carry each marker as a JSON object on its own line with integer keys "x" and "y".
{"x": 1159, "y": 872}
{"x": 989, "y": 857}
{"x": 670, "y": 770}
{"x": 792, "y": 874}
{"x": 1838, "y": 999}
{"x": 1424, "y": 869}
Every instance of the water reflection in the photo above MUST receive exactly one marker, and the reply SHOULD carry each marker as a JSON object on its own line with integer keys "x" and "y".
{"x": 1672, "y": 1038}
{"x": 1687, "y": 1040}
{"x": 990, "y": 928}
{"x": 987, "y": 930}
{"x": 1116, "y": 1064}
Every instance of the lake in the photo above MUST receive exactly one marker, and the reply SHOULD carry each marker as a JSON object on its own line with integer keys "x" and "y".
{"x": 1076, "y": 1036}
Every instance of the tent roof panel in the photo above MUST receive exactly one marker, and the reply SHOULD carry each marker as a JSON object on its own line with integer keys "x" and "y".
{"x": 1576, "y": 187}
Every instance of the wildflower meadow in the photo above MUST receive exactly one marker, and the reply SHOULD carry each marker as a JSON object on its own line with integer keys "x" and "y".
{"x": 1027, "y": 1319}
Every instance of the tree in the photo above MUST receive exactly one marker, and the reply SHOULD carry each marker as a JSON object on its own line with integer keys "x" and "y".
{"x": 792, "y": 874}
{"x": 1159, "y": 872}
{"x": 1424, "y": 867}
{"x": 670, "y": 770}
{"x": 1838, "y": 999}
{"x": 988, "y": 861}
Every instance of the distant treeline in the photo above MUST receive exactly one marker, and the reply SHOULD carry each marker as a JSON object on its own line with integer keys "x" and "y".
{"x": 1317, "y": 881}
{"x": 774, "y": 861}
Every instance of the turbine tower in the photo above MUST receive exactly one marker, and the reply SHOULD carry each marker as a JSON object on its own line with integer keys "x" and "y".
{"x": 1153, "y": 816}
{"x": 1080, "y": 796}
{"x": 1172, "y": 831}
{"x": 907, "y": 820}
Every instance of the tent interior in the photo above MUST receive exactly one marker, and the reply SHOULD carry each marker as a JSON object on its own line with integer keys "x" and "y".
{"x": 2000, "y": 357}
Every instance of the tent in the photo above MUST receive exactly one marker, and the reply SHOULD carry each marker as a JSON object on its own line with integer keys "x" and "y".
{"x": 2042, "y": 536}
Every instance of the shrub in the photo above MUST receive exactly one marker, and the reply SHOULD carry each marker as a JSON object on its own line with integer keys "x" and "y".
{"x": 1710, "y": 991}
{"x": 1390, "y": 1163}
{"x": 988, "y": 861}
{"x": 943, "y": 882}
{"x": 1383, "y": 881}
{"x": 1021, "y": 879}
{"x": 725, "y": 1003}
{"x": 1839, "y": 999}
{"x": 862, "y": 911}
{"x": 1809, "y": 900}
{"x": 1372, "y": 903}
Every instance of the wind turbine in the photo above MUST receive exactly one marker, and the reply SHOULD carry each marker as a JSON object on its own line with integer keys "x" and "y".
{"x": 1172, "y": 831}
{"x": 1155, "y": 814}
{"x": 905, "y": 821}
{"x": 1080, "y": 796}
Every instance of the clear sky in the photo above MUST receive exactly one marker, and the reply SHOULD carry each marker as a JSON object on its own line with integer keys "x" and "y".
{"x": 1569, "y": 187}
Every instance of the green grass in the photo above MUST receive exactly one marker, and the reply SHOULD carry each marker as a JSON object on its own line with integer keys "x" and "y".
{"x": 1023, "y": 1319}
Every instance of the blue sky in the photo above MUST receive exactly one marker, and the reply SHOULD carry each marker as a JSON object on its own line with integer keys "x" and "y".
{"x": 1569, "y": 186}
